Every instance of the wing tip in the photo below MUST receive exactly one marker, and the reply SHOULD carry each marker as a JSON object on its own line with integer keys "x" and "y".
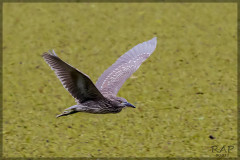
{"x": 51, "y": 53}
{"x": 153, "y": 43}
{"x": 153, "y": 40}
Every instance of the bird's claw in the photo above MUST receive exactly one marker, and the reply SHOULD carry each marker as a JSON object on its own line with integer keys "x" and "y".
{"x": 62, "y": 114}
{"x": 66, "y": 112}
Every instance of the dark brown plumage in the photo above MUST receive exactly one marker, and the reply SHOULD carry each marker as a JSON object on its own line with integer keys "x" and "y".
{"x": 102, "y": 97}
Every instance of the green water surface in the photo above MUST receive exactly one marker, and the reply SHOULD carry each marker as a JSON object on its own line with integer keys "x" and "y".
{"x": 185, "y": 92}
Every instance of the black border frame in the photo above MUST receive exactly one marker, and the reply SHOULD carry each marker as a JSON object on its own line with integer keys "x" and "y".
{"x": 117, "y": 1}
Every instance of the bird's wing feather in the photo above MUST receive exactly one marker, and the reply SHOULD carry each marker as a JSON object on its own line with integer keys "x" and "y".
{"x": 77, "y": 83}
{"x": 113, "y": 78}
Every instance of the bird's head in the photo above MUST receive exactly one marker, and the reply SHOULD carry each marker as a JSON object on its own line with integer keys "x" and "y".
{"x": 124, "y": 103}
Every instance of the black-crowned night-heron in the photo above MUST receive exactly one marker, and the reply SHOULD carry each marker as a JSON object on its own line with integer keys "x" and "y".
{"x": 100, "y": 98}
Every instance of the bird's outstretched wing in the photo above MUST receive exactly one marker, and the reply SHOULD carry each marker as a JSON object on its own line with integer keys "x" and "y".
{"x": 77, "y": 83}
{"x": 113, "y": 78}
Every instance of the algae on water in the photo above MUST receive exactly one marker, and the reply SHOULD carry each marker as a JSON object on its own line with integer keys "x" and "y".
{"x": 184, "y": 93}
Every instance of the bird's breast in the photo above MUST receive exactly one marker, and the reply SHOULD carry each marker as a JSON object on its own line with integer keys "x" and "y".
{"x": 100, "y": 107}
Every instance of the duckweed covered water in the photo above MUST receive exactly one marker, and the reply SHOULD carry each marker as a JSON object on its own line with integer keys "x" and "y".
{"x": 184, "y": 93}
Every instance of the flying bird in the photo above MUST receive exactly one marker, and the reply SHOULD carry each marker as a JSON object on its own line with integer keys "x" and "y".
{"x": 102, "y": 97}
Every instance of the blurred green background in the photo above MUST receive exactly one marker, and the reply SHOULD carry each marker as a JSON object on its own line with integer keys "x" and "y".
{"x": 185, "y": 92}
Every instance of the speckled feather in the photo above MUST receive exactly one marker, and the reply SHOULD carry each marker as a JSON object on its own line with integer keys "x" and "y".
{"x": 113, "y": 78}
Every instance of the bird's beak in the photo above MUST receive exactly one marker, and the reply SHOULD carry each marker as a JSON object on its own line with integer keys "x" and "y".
{"x": 129, "y": 105}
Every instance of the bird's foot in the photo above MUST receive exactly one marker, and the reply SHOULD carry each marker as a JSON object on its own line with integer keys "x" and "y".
{"x": 68, "y": 111}
{"x": 65, "y": 113}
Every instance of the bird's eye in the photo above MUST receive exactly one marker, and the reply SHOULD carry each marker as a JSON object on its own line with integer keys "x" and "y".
{"x": 120, "y": 101}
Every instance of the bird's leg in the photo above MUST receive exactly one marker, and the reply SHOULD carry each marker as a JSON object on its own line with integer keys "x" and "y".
{"x": 65, "y": 113}
{"x": 70, "y": 110}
